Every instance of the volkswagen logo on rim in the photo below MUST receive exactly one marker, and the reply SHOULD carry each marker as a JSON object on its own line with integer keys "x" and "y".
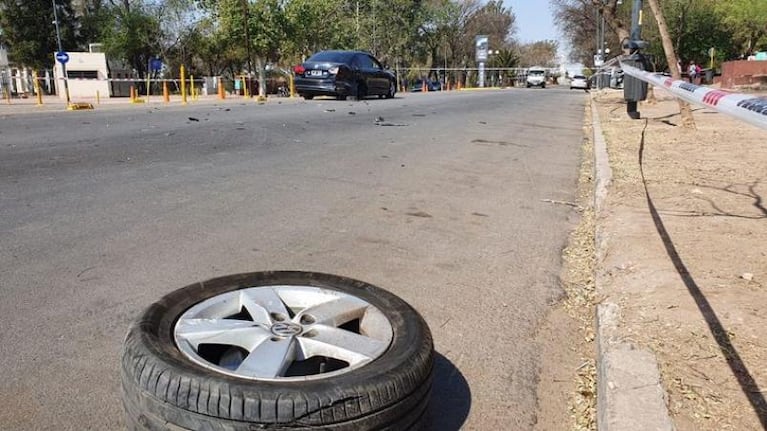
{"x": 286, "y": 329}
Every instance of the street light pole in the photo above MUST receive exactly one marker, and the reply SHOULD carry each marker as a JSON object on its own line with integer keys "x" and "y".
{"x": 61, "y": 49}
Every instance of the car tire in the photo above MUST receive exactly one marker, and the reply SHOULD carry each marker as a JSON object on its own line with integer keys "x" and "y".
{"x": 308, "y": 96}
{"x": 361, "y": 91}
{"x": 392, "y": 90}
{"x": 164, "y": 388}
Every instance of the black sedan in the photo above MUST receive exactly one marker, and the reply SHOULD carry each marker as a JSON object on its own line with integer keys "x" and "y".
{"x": 344, "y": 73}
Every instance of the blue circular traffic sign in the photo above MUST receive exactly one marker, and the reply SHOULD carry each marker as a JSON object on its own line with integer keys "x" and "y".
{"x": 62, "y": 57}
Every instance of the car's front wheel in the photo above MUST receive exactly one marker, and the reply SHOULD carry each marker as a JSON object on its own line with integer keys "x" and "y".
{"x": 277, "y": 350}
{"x": 392, "y": 90}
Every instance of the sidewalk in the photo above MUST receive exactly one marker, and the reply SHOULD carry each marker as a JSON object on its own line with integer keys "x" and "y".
{"x": 682, "y": 249}
{"x": 54, "y": 103}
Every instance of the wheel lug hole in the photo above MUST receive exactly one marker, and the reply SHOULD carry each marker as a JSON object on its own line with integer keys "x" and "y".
{"x": 275, "y": 339}
{"x": 278, "y": 317}
{"x": 307, "y": 319}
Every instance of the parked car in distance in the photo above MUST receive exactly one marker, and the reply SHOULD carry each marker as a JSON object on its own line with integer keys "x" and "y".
{"x": 579, "y": 82}
{"x": 344, "y": 73}
{"x": 418, "y": 85}
{"x": 536, "y": 77}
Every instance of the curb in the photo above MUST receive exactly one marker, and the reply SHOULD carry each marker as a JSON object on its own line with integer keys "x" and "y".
{"x": 629, "y": 391}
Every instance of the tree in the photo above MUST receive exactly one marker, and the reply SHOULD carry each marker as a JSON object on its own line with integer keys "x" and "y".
{"x": 494, "y": 20}
{"x": 317, "y": 25}
{"x": 29, "y": 34}
{"x": 668, "y": 46}
{"x": 578, "y": 20}
{"x": 94, "y": 20}
{"x": 541, "y": 53}
{"x": 747, "y": 18}
{"x": 134, "y": 35}
{"x": 694, "y": 27}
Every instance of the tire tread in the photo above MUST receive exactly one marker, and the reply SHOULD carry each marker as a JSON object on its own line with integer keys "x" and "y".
{"x": 183, "y": 392}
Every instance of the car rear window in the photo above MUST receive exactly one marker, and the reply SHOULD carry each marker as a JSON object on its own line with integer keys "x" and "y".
{"x": 332, "y": 56}
{"x": 579, "y": 77}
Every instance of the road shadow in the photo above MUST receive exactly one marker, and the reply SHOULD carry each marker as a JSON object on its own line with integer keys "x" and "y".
{"x": 450, "y": 397}
{"x": 738, "y": 368}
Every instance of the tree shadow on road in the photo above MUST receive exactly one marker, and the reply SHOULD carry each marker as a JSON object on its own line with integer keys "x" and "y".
{"x": 450, "y": 397}
{"x": 746, "y": 381}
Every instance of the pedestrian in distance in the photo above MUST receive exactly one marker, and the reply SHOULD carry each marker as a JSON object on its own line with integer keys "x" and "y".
{"x": 692, "y": 71}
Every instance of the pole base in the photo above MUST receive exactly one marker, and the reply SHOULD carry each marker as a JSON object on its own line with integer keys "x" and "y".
{"x": 631, "y": 110}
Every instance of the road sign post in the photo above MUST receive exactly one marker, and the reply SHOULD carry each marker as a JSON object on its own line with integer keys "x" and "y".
{"x": 61, "y": 56}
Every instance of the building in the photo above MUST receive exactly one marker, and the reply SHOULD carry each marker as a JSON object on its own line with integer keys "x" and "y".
{"x": 87, "y": 75}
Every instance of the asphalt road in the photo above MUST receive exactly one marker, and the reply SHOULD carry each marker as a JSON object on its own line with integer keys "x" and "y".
{"x": 445, "y": 202}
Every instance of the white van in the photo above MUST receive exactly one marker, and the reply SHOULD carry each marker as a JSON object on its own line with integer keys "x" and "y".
{"x": 536, "y": 77}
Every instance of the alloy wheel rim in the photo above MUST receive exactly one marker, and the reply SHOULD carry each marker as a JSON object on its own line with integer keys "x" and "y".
{"x": 283, "y": 333}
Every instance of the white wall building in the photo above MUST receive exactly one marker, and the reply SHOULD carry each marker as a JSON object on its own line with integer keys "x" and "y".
{"x": 88, "y": 74}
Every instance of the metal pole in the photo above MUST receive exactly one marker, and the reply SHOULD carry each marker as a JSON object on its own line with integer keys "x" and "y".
{"x": 633, "y": 91}
{"x": 61, "y": 49}
{"x": 636, "y": 20}
{"x": 247, "y": 41}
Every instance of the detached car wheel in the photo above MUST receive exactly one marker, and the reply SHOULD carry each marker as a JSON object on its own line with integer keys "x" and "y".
{"x": 279, "y": 351}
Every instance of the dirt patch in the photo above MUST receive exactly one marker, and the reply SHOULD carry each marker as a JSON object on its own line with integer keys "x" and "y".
{"x": 686, "y": 256}
{"x": 567, "y": 376}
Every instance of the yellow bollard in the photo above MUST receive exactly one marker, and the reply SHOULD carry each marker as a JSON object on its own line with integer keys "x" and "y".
{"x": 165, "y": 93}
{"x": 292, "y": 86}
{"x": 98, "y": 97}
{"x": 221, "y": 94}
{"x": 132, "y": 94}
{"x": 191, "y": 87}
{"x": 37, "y": 89}
{"x": 183, "y": 85}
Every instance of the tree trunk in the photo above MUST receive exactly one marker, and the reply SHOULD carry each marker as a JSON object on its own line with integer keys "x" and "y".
{"x": 260, "y": 64}
{"x": 668, "y": 47}
{"x": 609, "y": 12}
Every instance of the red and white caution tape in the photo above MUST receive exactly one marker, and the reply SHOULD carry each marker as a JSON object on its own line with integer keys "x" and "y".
{"x": 746, "y": 107}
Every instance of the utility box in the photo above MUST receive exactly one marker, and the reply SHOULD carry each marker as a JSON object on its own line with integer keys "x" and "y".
{"x": 634, "y": 89}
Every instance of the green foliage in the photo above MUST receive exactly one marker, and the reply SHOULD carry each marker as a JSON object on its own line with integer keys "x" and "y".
{"x": 731, "y": 27}
{"x": 230, "y": 36}
{"x": 507, "y": 58}
{"x": 94, "y": 20}
{"x": 694, "y": 27}
{"x": 316, "y": 25}
{"x": 134, "y": 35}
{"x": 747, "y": 19}
{"x": 29, "y": 34}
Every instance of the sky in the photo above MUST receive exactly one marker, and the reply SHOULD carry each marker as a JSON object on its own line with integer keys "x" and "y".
{"x": 534, "y": 20}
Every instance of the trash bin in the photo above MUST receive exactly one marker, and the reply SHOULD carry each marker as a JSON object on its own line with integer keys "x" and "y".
{"x": 708, "y": 75}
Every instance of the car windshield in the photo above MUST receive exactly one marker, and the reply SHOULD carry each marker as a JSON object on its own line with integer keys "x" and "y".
{"x": 579, "y": 77}
{"x": 535, "y": 72}
{"x": 332, "y": 57}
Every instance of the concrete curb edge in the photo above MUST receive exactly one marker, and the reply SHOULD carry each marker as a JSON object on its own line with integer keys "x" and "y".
{"x": 629, "y": 392}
